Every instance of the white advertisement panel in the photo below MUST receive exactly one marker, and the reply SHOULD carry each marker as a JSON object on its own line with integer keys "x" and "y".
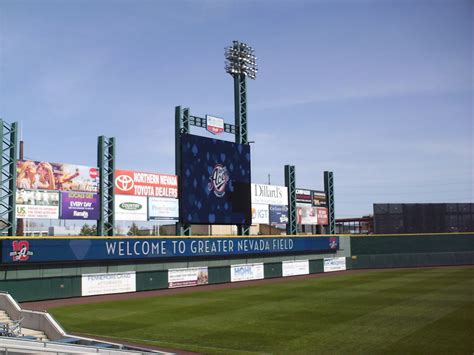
{"x": 163, "y": 208}
{"x": 188, "y": 277}
{"x": 115, "y": 282}
{"x": 37, "y": 204}
{"x": 130, "y": 208}
{"x": 295, "y": 267}
{"x": 306, "y": 214}
{"x": 269, "y": 194}
{"x": 245, "y": 272}
{"x": 260, "y": 214}
{"x": 334, "y": 264}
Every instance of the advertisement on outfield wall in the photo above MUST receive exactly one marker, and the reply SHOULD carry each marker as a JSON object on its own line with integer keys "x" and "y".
{"x": 334, "y": 264}
{"x": 79, "y": 205}
{"x": 278, "y": 214}
{"x": 303, "y": 196}
{"x": 318, "y": 198}
{"x": 306, "y": 214}
{"x": 246, "y": 272}
{"x": 323, "y": 218}
{"x": 36, "y": 175}
{"x": 37, "y": 204}
{"x": 101, "y": 284}
{"x": 295, "y": 267}
{"x": 259, "y": 214}
{"x": 138, "y": 183}
{"x": 163, "y": 208}
{"x": 269, "y": 194}
{"x": 188, "y": 277}
{"x": 105, "y": 249}
{"x": 131, "y": 208}
{"x": 215, "y": 180}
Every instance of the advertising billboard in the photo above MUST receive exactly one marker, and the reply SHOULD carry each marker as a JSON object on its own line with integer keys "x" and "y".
{"x": 113, "y": 282}
{"x": 322, "y": 213}
{"x": 36, "y": 175}
{"x": 334, "y": 264}
{"x": 260, "y": 214}
{"x": 70, "y": 249}
{"x": 306, "y": 214}
{"x": 131, "y": 208}
{"x": 79, "y": 205}
{"x": 318, "y": 198}
{"x": 278, "y": 214}
{"x": 137, "y": 183}
{"x": 246, "y": 272}
{"x": 215, "y": 180}
{"x": 215, "y": 125}
{"x": 184, "y": 277}
{"x": 295, "y": 267}
{"x": 269, "y": 194}
{"x": 37, "y": 204}
{"x": 303, "y": 196}
{"x": 163, "y": 208}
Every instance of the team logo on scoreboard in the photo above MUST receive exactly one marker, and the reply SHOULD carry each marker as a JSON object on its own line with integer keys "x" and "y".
{"x": 218, "y": 180}
{"x": 21, "y": 250}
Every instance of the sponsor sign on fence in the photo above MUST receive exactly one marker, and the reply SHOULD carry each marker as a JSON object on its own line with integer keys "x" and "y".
{"x": 70, "y": 249}
{"x": 130, "y": 208}
{"x": 322, "y": 213}
{"x": 138, "y": 183}
{"x": 37, "y": 204}
{"x": 79, "y": 205}
{"x": 163, "y": 209}
{"x": 269, "y": 194}
{"x": 188, "y": 277}
{"x": 295, "y": 267}
{"x": 36, "y": 175}
{"x": 245, "y": 272}
{"x": 101, "y": 284}
{"x": 334, "y": 264}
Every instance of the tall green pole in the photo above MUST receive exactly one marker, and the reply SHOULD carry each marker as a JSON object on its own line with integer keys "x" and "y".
{"x": 241, "y": 137}
{"x": 329, "y": 190}
{"x": 106, "y": 162}
{"x": 290, "y": 183}
{"x": 181, "y": 127}
{"x": 8, "y": 167}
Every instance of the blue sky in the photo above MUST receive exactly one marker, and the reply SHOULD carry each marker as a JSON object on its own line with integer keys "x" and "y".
{"x": 380, "y": 92}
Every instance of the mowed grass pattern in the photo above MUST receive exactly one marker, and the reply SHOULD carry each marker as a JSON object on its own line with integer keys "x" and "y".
{"x": 429, "y": 311}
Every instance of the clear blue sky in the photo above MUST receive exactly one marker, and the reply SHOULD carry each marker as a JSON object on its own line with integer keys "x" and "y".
{"x": 380, "y": 92}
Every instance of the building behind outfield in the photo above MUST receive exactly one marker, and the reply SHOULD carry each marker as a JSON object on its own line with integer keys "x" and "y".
{"x": 396, "y": 218}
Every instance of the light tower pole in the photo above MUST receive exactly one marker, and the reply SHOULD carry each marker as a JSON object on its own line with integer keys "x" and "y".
{"x": 241, "y": 63}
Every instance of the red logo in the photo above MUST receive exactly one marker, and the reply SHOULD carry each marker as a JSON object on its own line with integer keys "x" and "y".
{"x": 93, "y": 173}
{"x": 124, "y": 182}
{"x": 21, "y": 250}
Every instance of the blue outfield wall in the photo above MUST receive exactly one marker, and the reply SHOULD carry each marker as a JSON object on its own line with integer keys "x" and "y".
{"x": 39, "y": 250}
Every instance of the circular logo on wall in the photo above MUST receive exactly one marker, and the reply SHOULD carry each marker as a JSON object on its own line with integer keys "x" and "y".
{"x": 124, "y": 182}
{"x": 218, "y": 180}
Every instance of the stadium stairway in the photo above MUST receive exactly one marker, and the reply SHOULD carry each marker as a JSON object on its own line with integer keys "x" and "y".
{"x": 33, "y": 332}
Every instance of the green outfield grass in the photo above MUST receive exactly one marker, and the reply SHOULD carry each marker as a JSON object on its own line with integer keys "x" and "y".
{"x": 414, "y": 311}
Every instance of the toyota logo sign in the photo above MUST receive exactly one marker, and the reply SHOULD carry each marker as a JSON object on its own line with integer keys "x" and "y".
{"x": 124, "y": 182}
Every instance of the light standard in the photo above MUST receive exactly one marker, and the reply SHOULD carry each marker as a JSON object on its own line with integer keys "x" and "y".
{"x": 241, "y": 63}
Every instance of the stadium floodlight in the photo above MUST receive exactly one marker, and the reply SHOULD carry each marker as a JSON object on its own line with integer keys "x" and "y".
{"x": 240, "y": 59}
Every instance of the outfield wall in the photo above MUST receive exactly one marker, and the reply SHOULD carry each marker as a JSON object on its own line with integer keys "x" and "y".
{"x": 36, "y": 281}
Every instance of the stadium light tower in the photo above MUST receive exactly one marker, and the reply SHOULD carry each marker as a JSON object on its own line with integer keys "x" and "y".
{"x": 240, "y": 63}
